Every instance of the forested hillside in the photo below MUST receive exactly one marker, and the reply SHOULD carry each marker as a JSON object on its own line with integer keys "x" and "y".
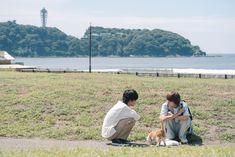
{"x": 32, "y": 41}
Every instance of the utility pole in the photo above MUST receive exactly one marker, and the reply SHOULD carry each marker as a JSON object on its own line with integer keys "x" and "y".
{"x": 90, "y": 51}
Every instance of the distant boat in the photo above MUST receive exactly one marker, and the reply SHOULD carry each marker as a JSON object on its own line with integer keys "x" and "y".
{"x": 5, "y": 58}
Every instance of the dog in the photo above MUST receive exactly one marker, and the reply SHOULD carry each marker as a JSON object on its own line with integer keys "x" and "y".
{"x": 157, "y": 136}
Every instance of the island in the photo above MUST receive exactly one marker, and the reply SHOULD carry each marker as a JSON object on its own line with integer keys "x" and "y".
{"x": 32, "y": 41}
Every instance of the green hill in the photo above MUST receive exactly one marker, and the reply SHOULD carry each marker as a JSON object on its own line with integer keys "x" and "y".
{"x": 32, "y": 41}
{"x": 25, "y": 40}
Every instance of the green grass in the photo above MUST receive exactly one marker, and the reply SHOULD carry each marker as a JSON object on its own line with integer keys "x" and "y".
{"x": 72, "y": 106}
{"x": 183, "y": 151}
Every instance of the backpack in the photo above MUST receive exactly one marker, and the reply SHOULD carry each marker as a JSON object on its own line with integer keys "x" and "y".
{"x": 190, "y": 129}
{"x": 190, "y": 114}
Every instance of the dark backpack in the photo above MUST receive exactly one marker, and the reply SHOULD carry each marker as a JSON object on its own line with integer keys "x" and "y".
{"x": 190, "y": 114}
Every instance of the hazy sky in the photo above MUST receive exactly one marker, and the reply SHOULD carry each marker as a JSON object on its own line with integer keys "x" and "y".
{"x": 207, "y": 23}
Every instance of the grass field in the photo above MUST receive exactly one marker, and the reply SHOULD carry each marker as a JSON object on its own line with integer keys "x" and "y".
{"x": 184, "y": 151}
{"x": 72, "y": 106}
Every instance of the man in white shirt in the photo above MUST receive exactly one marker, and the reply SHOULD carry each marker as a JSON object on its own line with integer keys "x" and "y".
{"x": 120, "y": 119}
{"x": 176, "y": 117}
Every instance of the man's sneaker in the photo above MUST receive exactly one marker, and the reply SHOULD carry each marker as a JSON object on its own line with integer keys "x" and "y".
{"x": 125, "y": 141}
{"x": 120, "y": 142}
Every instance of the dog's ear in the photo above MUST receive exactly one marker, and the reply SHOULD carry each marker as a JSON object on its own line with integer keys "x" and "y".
{"x": 149, "y": 131}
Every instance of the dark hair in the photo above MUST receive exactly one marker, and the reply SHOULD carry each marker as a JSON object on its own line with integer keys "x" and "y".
{"x": 129, "y": 95}
{"x": 173, "y": 97}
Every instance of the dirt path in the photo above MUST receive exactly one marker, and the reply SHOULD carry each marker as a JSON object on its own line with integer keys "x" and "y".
{"x": 20, "y": 143}
{"x": 24, "y": 143}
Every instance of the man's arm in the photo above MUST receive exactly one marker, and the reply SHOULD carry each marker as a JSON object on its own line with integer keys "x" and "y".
{"x": 167, "y": 117}
{"x": 182, "y": 118}
{"x": 185, "y": 115}
{"x": 128, "y": 112}
{"x": 171, "y": 116}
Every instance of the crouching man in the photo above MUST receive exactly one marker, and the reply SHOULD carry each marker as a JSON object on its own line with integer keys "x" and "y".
{"x": 120, "y": 119}
{"x": 176, "y": 117}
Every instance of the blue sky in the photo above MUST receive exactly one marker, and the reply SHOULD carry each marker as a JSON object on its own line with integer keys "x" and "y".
{"x": 207, "y": 23}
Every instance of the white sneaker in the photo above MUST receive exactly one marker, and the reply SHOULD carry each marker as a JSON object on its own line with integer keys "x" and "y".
{"x": 184, "y": 141}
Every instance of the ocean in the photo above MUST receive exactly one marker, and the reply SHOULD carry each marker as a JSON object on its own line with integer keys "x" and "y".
{"x": 214, "y": 64}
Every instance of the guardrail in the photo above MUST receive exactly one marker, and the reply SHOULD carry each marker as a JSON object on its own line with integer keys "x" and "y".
{"x": 153, "y": 74}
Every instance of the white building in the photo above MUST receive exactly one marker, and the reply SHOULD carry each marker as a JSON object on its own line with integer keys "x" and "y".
{"x": 5, "y": 58}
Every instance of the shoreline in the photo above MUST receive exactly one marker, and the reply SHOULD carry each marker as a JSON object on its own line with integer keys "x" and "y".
{"x": 179, "y": 74}
{"x": 157, "y": 70}
{"x": 213, "y": 55}
{"x": 171, "y": 71}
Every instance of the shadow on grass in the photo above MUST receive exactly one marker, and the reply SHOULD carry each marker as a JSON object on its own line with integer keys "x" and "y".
{"x": 194, "y": 139}
{"x": 132, "y": 144}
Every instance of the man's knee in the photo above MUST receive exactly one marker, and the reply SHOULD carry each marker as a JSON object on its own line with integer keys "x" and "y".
{"x": 126, "y": 122}
{"x": 131, "y": 121}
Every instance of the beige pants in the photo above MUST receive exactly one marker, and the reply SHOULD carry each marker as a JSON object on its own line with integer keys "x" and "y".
{"x": 123, "y": 129}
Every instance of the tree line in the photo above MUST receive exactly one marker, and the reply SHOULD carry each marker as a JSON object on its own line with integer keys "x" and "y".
{"x": 32, "y": 41}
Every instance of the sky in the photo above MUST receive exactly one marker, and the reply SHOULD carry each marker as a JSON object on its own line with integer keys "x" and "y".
{"x": 207, "y": 23}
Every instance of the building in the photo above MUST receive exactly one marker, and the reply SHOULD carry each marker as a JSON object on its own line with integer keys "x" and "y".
{"x": 5, "y": 58}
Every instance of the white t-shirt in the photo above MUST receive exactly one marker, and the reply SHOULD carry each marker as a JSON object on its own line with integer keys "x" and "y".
{"x": 165, "y": 109}
{"x": 114, "y": 115}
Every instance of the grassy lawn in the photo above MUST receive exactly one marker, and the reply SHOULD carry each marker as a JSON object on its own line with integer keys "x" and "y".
{"x": 72, "y": 106}
{"x": 184, "y": 151}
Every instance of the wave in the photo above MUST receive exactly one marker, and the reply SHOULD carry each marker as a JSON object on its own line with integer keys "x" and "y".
{"x": 172, "y": 70}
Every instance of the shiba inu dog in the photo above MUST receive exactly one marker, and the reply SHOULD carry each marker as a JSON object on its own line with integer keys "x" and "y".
{"x": 157, "y": 136}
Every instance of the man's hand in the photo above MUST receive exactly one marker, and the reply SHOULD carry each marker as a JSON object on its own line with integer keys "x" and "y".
{"x": 171, "y": 115}
{"x": 167, "y": 117}
{"x": 177, "y": 116}
{"x": 180, "y": 111}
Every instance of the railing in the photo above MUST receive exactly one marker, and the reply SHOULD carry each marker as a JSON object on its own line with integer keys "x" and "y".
{"x": 153, "y": 74}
